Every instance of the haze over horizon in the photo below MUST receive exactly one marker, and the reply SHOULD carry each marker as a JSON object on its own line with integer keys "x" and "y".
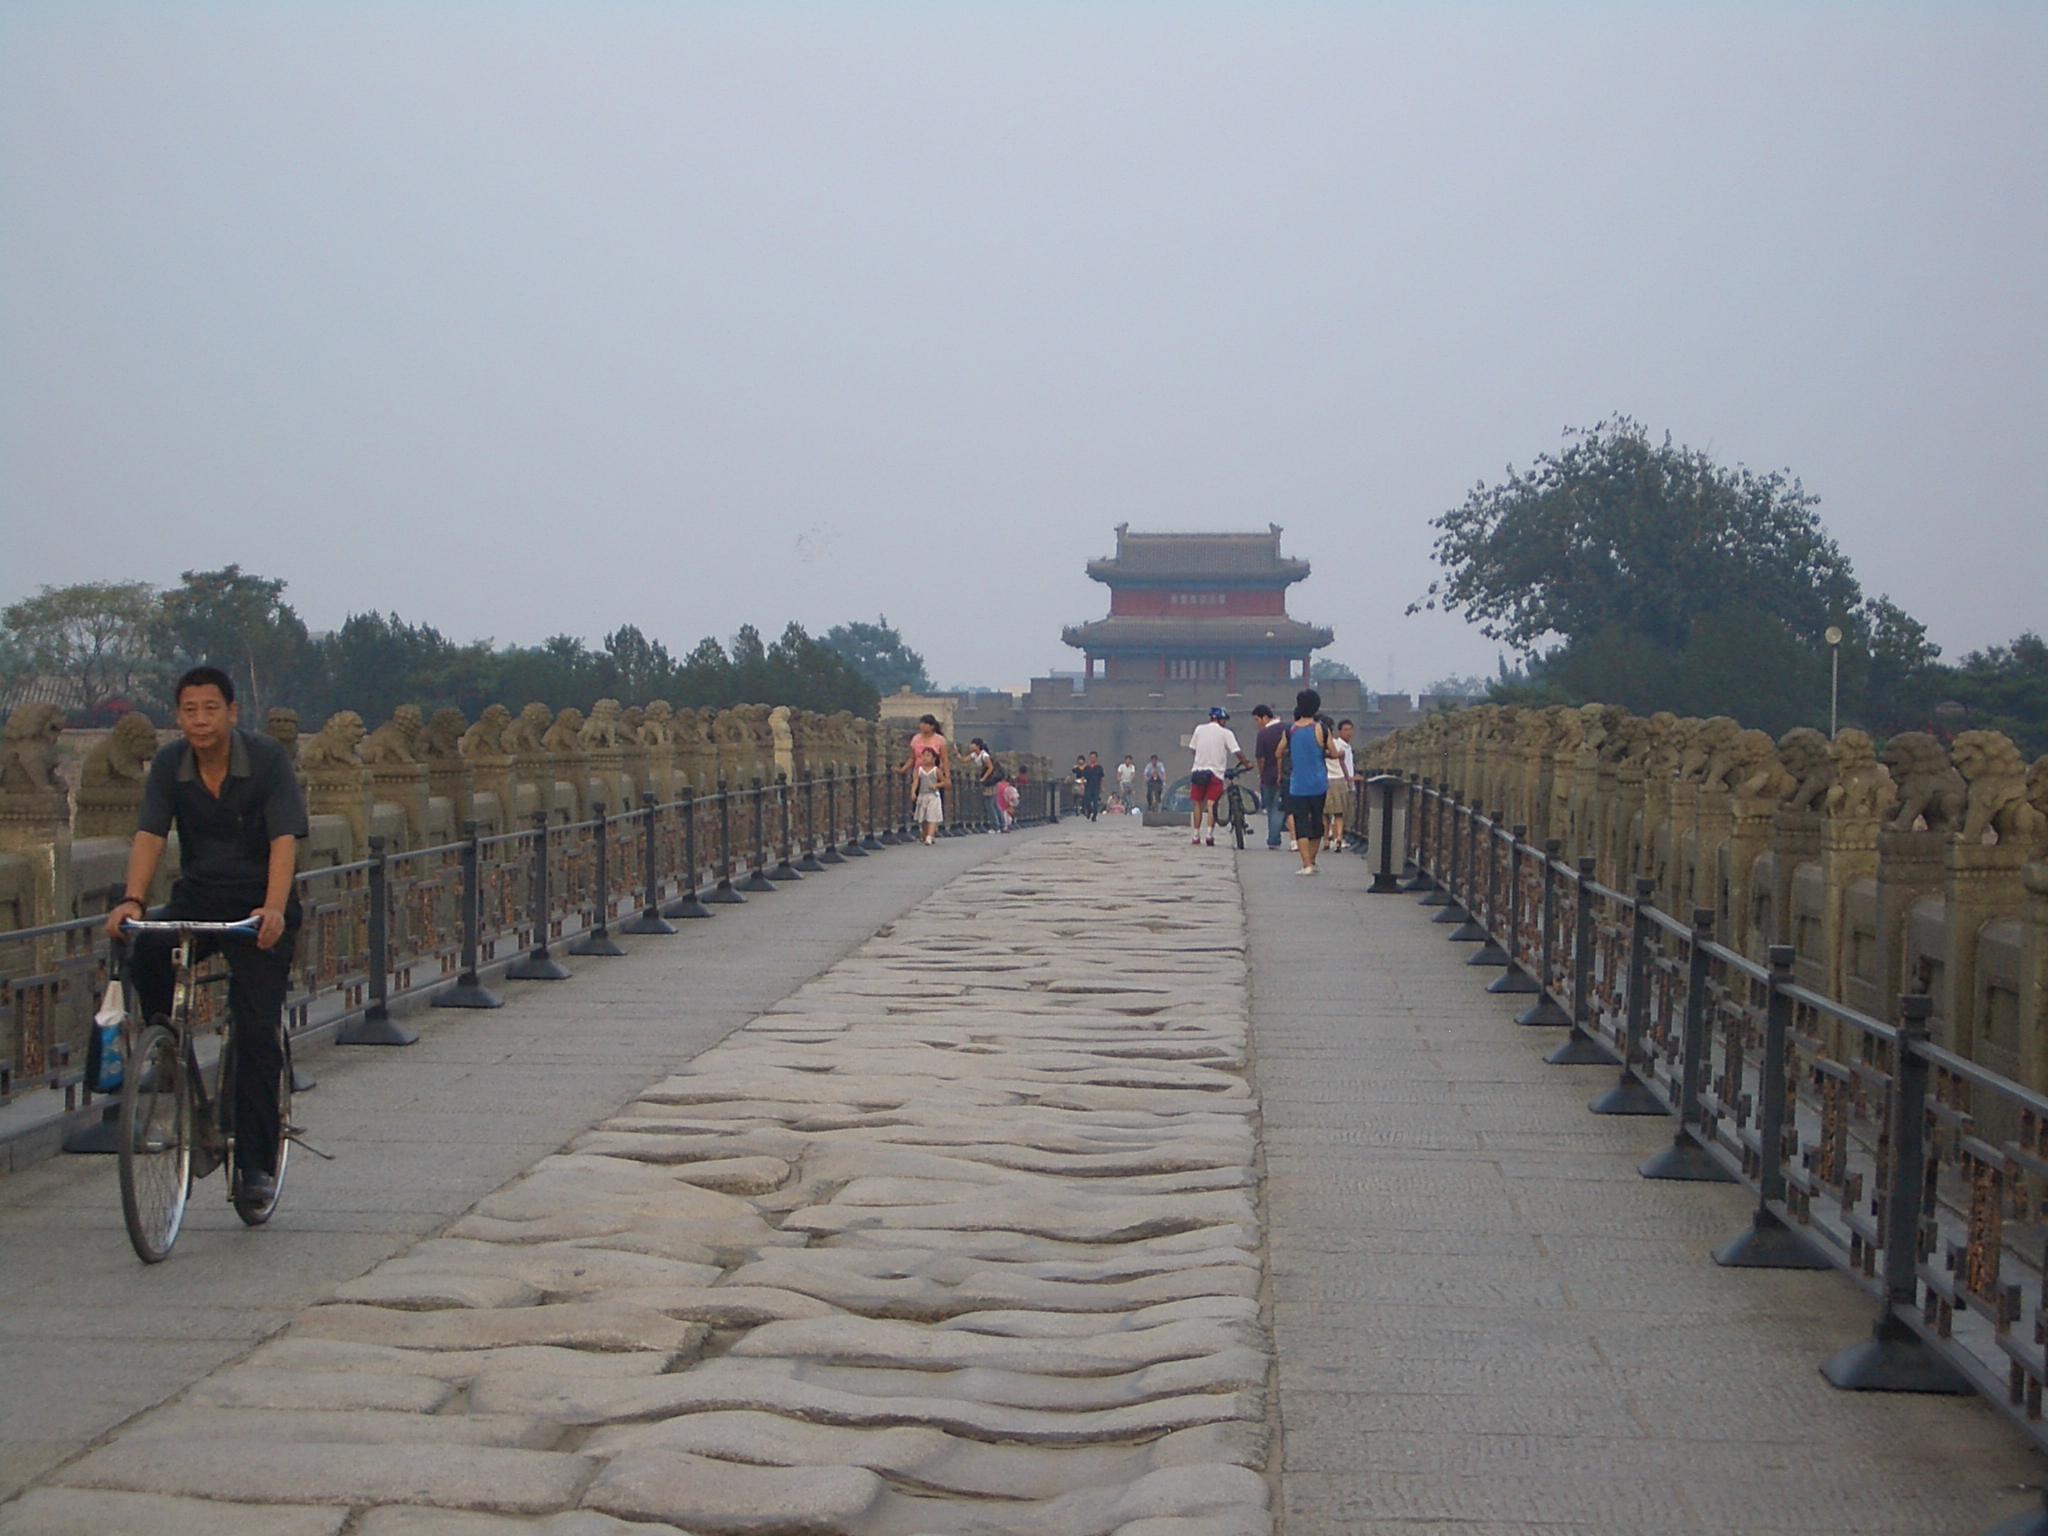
{"x": 550, "y": 319}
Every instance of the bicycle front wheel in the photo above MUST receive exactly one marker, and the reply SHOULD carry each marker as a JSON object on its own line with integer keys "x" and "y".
{"x": 155, "y": 1143}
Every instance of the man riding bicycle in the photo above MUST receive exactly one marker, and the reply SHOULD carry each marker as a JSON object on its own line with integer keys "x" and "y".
{"x": 235, "y": 801}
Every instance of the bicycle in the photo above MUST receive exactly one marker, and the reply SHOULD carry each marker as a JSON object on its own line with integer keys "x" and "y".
{"x": 172, "y": 1132}
{"x": 1234, "y": 799}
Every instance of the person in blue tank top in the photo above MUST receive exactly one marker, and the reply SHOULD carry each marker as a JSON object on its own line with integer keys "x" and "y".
{"x": 1305, "y": 775}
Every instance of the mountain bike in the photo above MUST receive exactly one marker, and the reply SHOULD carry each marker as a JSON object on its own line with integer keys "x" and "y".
{"x": 1234, "y": 799}
{"x": 173, "y": 1131}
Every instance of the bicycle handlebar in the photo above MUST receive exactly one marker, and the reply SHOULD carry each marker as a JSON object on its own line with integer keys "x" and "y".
{"x": 241, "y": 925}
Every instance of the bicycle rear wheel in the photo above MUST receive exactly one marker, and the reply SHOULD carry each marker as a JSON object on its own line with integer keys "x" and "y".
{"x": 255, "y": 1212}
{"x": 155, "y": 1144}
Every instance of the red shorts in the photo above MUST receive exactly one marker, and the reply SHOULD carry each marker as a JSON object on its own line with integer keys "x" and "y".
{"x": 1206, "y": 793}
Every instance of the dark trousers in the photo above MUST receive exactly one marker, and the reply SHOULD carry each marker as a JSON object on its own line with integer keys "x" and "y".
{"x": 258, "y": 980}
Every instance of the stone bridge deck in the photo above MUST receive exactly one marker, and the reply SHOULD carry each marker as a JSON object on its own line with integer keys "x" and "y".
{"x": 1069, "y": 1183}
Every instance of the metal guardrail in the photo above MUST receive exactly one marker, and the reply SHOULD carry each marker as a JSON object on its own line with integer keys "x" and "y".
{"x": 1870, "y": 1149}
{"x": 431, "y": 920}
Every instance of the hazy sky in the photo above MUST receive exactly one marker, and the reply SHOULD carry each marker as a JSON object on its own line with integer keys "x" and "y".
{"x": 527, "y": 318}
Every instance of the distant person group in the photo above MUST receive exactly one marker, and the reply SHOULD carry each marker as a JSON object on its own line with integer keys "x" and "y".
{"x": 928, "y": 769}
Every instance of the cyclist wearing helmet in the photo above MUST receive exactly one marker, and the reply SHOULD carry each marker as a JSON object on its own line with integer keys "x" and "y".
{"x": 1215, "y": 745}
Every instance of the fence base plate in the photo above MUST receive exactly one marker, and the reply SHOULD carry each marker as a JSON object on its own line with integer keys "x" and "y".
{"x": 539, "y": 966}
{"x": 1687, "y": 1161}
{"x": 603, "y": 945}
{"x": 686, "y": 906}
{"x": 465, "y": 994}
{"x": 756, "y": 884}
{"x": 1451, "y": 913}
{"x": 372, "y": 1030}
{"x": 1628, "y": 1097}
{"x": 723, "y": 895}
{"x": 1582, "y": 1050}
{"x": 1383, "y": 884}
{"x": 1517, "y": 982}
{"x": 1545, "y": 1013}
{"x": 1893, "y": 1359}
{"x": 1470, "y": 932}
{"x": 1768, "y": 1244}
{"x": 100, "y": 1136}
{"x": 811, "y": 864}
{"x": 855, "y": 851}
{"x": 648, "y": 922}
{"x": 831, "y": 855}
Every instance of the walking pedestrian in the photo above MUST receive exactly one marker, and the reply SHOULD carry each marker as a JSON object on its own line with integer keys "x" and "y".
{"x": 929, "y": 787}
{"x": 1304, "y": 754}
{"x": 1215, "y": 745}
{"x": 1343, "y": 777}
{"x": 1266, "y": 746}
{"x": 1091, "y": 787}
{"x": 1007, "y": 798}
{"x": 1126, "y": 779}
{"x": 1155, "y": 783}
{"x": 985, "y": 774}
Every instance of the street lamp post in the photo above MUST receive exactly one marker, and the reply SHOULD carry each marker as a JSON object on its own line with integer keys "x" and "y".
{"x": 1834, "y": 640}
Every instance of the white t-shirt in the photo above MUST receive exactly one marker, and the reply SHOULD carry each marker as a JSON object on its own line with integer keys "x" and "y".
{"x": 1215, "y": 748}
{"x": 1340, "y": 751}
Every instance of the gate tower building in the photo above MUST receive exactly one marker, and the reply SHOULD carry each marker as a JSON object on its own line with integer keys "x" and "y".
{"x": 1202, "y": 608}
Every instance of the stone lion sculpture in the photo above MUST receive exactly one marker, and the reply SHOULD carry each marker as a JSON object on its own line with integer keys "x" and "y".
{"x": 28, "y": 750}
{"x": 1713, "y": 749}
{"x": 566, "y": 734}
{"x": 1997, "y": 777}
{"x": 393, "y": 741}
{"x": 1862, "y": 787}
{"x": 602, "y": 728}
{"x": 1757, "y": 774}
{"x": 443, "y": 740}
{"x": 526, "y": 732}
{"x": 281, "y": 725}
{"x": 655, "y": 728}
{"x": 484, "y": 739}
{"x": 1804, "y": 752}
{"x": 1930, "y": 789}
{"x": 335, "y": 744}
{"x": 122, "y": 758}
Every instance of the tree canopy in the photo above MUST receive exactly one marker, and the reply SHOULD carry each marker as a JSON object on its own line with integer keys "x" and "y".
{"x": 880, "y": 655}
{"x": 103, "y": 642}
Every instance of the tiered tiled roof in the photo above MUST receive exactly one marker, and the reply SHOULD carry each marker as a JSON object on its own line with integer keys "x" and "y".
{"x": 1146, "y": 559}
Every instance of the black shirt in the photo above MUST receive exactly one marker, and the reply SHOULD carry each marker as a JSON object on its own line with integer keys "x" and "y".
{"x": 1092, "y": 777}
{"x": 224, "y": 843}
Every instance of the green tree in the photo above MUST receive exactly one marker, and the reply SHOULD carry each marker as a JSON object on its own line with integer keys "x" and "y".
{"x": 238, "y": 622}
{"x": 880, "y": 654}
{"x": 2003, "y": 689}
{"x": 94, "y": 639}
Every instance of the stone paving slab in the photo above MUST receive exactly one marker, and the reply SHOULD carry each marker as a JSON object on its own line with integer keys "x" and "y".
{"x": 1487, "y": 1323}
{"x": 89, "y": 1337}
{"x": 979, "y": 1259}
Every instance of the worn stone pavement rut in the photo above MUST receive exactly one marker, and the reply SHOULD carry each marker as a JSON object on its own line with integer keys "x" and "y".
{"x": 1116, "y": 1188}
{"x": 959, "y": 1237}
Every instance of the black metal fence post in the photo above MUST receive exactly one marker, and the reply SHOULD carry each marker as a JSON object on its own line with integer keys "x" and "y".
{"x": 1583, "y": 1048}
{"x": 757, "y": 881}
{"x": 811, "y": 863}
{"x": 376, "y": 1026}
{"x": 722, "y": 894}
{"x": 887, "y": 837}
{"x": 1516, "y": 979}
{"x": 1687, "y": 1157}
{"x": 1545, "y": 1011}
{"x": 468, "y": 990}
{"x": 1769, "y": 1243}
{"x": 599, "y": 941}
{"x": 1632, "y": 1096}
{"x": 832, "y": 855}
{"x": 784, "y": 869}
{"x": 1470, "y": 929}
{"x": 1453, "y": 912}
{"x": 1895, "y": 1358}
{"x": 650, "y": 919}
{"x": 687, "y": 905}
{"x": 538, "y": 964}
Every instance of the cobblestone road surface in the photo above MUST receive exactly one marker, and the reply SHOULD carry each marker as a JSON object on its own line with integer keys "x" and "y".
{"x": 960, "y": 1237}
